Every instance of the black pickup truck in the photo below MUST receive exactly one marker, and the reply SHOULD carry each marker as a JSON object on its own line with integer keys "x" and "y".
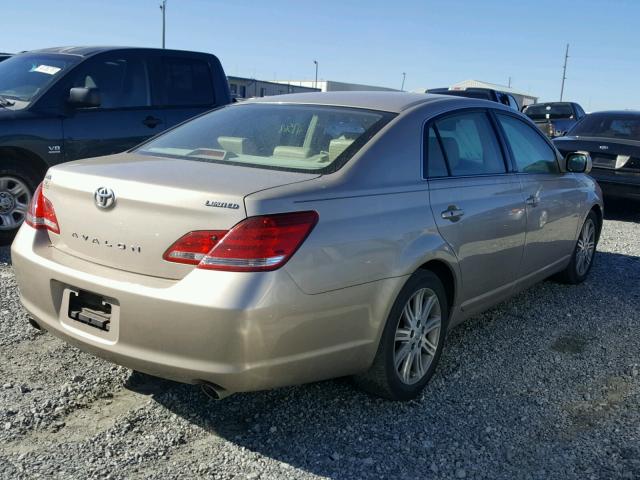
{"x": 62, "y": 104}
{"x": 554, "y": 118}
{"x": 481, "y": 93}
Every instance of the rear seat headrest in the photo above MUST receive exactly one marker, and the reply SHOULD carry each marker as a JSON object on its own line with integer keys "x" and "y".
{"x": 238, "y": 145}
{"x": 337, "y": 146}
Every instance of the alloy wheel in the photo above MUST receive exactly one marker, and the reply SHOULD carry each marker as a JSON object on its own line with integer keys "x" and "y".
{"x": 417, "y": 336}
{"x": 14, "y": 202}
{"x": 586, "y": 247}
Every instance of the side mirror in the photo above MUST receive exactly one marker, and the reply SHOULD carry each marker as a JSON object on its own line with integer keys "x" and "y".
{"x": 578, "y": 162}
{"x": 81, "y": 97}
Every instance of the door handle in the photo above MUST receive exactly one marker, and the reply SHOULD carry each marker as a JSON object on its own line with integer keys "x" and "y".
{"x": 152, "y": 122}
{"x": 533, "y": 200}
{"x": 452, "y": 213}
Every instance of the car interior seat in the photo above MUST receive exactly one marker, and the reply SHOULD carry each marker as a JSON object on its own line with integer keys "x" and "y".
{"x": 337, "y": 146}
{"x": 238, "y": 145}
{"x": 453, "y": 152}
{"x": 286, "y": 151}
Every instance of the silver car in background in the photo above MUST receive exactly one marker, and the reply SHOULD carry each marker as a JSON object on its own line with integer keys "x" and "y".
{"x": 296, "y": 238}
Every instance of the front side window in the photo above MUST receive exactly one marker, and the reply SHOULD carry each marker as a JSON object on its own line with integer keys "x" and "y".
{"x": 23, "y": 77}
{"x": 470, "y": 145}
{"x": 121, "y": 80}
{"x": 531, "y": 152}
{"x": 288, "y": 137}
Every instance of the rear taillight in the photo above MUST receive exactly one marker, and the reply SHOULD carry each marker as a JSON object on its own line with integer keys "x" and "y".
{"x": 193, "y": 247}
{"x": 40, "y": 214}
{"x": 256, "y": 244}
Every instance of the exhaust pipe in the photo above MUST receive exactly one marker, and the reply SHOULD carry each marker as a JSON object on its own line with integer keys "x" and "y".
{"x": 213, "y": 391}
{"x": 34, "y": 324}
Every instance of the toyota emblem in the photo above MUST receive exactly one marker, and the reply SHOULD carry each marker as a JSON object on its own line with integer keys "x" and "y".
{"x": 104, "y": 198}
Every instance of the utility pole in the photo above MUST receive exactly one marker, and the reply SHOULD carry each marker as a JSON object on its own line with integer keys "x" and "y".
{"x": 404, "y": 76}
{"x": 163, "y": 8}
{"x": 315, "y": 84}
{"x": 509, "y": 82}
{"x": 564, "y": 71}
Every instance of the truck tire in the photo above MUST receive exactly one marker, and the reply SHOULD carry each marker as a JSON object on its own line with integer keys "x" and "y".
{"x": 17, "y": 184}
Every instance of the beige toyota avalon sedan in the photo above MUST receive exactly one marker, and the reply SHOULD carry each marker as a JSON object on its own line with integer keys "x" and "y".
{"x": 301, "y": 237}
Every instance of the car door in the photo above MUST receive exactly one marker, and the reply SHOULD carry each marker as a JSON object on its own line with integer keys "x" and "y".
{"x": 183, "y": 86}
{"x": 553, "y": 198}
{"x": 125, "y": 116}
{"x": 477, "y": 205}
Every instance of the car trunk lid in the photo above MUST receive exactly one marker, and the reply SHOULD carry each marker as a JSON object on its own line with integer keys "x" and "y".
{"x": 157, "y": 201}
{"x": 610, "y": 154}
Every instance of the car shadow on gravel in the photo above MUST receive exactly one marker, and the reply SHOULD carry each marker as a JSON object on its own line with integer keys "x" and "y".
{"x": 494, "y": 405}
{"x": 5, "y": 255}
{"x": 622, "y": 210}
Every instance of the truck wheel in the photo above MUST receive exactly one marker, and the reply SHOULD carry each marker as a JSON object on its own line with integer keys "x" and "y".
{"x": 17, "y": 185}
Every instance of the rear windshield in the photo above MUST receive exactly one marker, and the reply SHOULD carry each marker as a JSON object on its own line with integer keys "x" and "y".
{"x": 609, "y": 126}
{"x": 556, "y": 110}
{"x": 24, "y": 76}
{"x": 303, "y": 138}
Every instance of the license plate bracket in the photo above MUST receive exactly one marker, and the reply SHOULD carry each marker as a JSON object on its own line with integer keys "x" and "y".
{"x": 90, "y": 309}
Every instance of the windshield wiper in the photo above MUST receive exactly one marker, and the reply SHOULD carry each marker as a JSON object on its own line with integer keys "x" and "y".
{"x": 4, "y": 102}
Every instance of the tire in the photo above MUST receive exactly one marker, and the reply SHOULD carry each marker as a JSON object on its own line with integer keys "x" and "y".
{"x": 384, "y": 378}
{"x": 17, "y": 184}
{"x": 576, "y": 272}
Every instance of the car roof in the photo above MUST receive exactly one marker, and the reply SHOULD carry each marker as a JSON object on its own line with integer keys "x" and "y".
{"x": 89, "y": 51}
{"x": 395, "y": 102}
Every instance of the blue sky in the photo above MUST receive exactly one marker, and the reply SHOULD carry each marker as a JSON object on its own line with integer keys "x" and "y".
{"x": 436, "y": 43}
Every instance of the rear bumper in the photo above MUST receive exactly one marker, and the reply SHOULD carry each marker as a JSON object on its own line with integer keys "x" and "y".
{"x": 241, "y": 331}
{"x": 618, "y": 184}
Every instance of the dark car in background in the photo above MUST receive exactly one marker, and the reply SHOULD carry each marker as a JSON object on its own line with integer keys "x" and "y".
{"x": 480, "y": 93}
{"x": 63, "y": 104}
{"x": 554, "y": 118}
{"x": 613, "y": 140}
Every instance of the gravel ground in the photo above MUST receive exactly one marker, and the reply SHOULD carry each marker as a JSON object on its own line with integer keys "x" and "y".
{"x": 546, "y": 385}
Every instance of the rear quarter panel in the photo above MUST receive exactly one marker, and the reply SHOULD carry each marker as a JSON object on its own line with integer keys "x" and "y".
{"x": 375, "y": 221}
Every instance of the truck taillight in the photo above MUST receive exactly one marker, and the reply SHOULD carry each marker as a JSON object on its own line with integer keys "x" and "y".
{"x": 255, "y": 244}
{"x": 40, "y": 214}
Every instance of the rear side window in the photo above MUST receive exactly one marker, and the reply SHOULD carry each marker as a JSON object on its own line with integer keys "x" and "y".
{"x": 470, "y": 145}
{"x": 436, "y": 166}
{"x": 187, "y": 81}
{"x": 531, "y": 152}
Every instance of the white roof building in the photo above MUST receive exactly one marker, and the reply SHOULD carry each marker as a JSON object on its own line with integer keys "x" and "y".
{"x": 523, "y": 98}
{"x": 333, "y": 86}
